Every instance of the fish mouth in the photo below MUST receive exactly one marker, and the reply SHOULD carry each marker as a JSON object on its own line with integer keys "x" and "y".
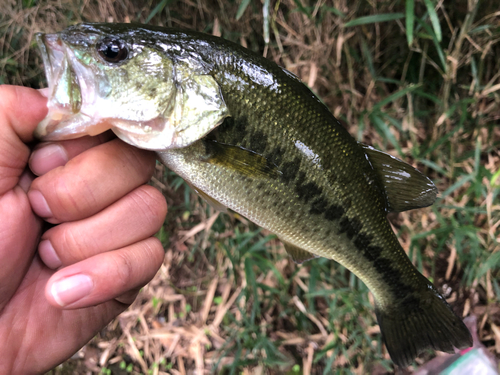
{"x": 64, "y": 75}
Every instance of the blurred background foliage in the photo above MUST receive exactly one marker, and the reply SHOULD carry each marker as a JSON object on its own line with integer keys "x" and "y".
{"x": 417, "y": 78}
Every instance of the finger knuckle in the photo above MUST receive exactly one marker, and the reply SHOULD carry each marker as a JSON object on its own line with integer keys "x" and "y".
{"x": 151, "y": 205}
{"x": 140, "y": 160}
{"x": 70, "y": 195}
{"x": 124, "y": 270}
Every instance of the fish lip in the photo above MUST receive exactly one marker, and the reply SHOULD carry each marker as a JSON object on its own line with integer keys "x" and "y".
{"x": 58, "y": 67}
{"x": 40, "y": 40}
{"x": 48, "y": 43}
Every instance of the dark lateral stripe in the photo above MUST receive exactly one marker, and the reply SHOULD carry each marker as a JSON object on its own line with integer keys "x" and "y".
{"x": 362, "y": 241}
{"x": 289, "y": 170}
{"x": 394, "y": 279}
{"x": 373, "y": 252}
{"x": 403, "y": 292}
{"x": 258, "y": 142}
{"x": 275, "y": 156}
{"x": 308, "y": 191}
{"x": 334, "y": 212}
{"x": 343, "y": 224}
{"x": 318, "y": 207}
{"x": 350, "y": 226}
{"x": 355, "y": 227}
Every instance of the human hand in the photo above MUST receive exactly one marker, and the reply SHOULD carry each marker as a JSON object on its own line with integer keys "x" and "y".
{"x": 88, "y": 268}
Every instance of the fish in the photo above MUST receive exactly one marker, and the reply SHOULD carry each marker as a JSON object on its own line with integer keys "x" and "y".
{"x": 249, "y": 136}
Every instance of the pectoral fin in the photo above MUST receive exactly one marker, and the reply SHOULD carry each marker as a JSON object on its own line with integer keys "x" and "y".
{"x": 298, "y": 255}
{"x": 239, "y": 159}
{"x": 405, "y": 186}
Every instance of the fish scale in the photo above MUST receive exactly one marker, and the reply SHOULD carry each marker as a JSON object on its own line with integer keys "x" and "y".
{"x": 329, "y": 184}
{"x": 249, "y": 136}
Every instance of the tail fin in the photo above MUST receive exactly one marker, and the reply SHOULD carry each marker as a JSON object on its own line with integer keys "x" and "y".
{"x": 414, "y": 324}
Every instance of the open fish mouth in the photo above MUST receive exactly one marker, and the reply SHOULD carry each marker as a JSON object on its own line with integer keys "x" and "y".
{"x": 139, "y": 94}
{"x": 67, "y": 91}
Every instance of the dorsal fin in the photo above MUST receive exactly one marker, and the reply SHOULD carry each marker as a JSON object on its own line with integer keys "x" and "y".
{"x": 298, "y": 255}
{"x": 406, "y": 187}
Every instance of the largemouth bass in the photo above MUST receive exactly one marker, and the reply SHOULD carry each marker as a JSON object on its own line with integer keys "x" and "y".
{"x": 249, "y": 136}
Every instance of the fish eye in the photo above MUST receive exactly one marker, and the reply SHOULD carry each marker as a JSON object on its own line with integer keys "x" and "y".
{"x": 112, "y": 50}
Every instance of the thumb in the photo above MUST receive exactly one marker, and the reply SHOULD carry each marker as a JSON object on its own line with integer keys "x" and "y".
{"x": 21, "y": 109}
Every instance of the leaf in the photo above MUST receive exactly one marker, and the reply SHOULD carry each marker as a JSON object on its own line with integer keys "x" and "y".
{"x": 410, "y": 20}
{"x": 394, "y": 96}
{"x": 492, "y": 261}
{"x": 433, "y": 165}
{"x": 434, "y": 19}
{"x": 436, "y": 42}
{"x": 251, "y": 281}
{"x": 241, "y": 9}
{"x": 385, "y": 132}
{"x": 477, "y": 156}
{"x": 301, "y": 8}
{"x": 265, "y": 14}
{"x": 374, "y": 19}
{"x": 368, "y": 58}
{"x": 494, "y": 178}
{"x": 157, "y": 9}
{"x": 457, "y": 185}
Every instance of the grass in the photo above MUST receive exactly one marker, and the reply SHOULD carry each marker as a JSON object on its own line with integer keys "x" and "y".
{"x": 416, "y": 78}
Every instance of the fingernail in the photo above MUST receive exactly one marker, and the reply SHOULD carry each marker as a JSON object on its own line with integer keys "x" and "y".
{"x": 45, "y": 92}
{"x": 71, "y": 289}
{"x": 46, "y": 158}
{"x": 49, "y": 255}
{"x": 39, "y": 204}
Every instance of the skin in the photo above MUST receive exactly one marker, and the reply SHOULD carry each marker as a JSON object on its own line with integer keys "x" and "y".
{"x": 54, "y": 300}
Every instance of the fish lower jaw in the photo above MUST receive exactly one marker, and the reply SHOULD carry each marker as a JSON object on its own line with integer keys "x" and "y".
{"x": 61, "y": 125}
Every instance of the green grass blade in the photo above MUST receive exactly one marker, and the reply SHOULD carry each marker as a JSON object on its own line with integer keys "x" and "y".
{"x": 435, "y": 40}
{"x": 433, "y": 165}
{"x": 398, "y": 94}
{"x": 334, "y": 11}
{"x": 445, "y": 138}
{"x": 251, "y": 281}
{"x": 157, "y": 9}
{"x": 492, "y": 262}
{"x": 434, "y": 19}
{"x": 410, "y": 20}
{"x": 374, "y": 19}
{"x": 477, "y": 156}
{"x": 301, "y": 8}
{"x": 384, "y": 131}
{"x": 494, "y": 179}
{"x": 457, "y": 185}
{"x": 241, "y": 9}
{"x": 368, "y": 58}
{"x": 265, "y": 13}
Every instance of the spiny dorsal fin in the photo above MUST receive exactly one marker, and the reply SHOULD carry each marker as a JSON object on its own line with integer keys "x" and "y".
{"x": 406, "y": 187}
{"x": 298, "y": 255}
{"x": 241, "y": 160}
